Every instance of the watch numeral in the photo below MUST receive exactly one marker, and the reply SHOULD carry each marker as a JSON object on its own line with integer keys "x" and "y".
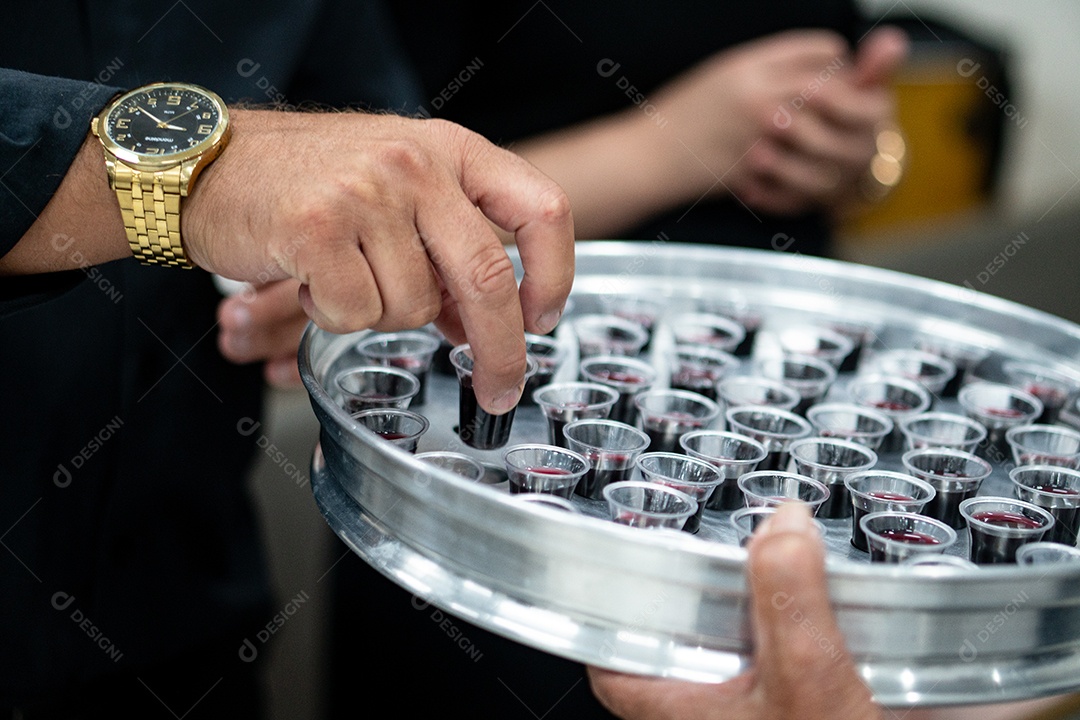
{"x": 123, "y": 123}
{"x": 151, "y": 101}
{"x": 205, "y": 116}
{"x": 205, "y": 129}
{"x": 121, "y": 138}
{"x": 173, "y": 100}
{"x": 153, "y": 151}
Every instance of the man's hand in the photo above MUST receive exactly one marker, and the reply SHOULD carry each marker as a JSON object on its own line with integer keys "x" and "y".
{"x": 383, "y": 221}
{"x": 796, "y": 674}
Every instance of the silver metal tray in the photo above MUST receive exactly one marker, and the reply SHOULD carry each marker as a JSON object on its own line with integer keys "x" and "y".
{"x": 671, "y": 604}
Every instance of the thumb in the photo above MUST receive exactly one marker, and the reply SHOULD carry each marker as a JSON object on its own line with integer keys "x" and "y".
{"x": 799, "y": 656}
{"x": 880, "y": 55}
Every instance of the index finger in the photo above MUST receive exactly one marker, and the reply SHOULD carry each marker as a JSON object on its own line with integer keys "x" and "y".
{"x": 522, "y": 200}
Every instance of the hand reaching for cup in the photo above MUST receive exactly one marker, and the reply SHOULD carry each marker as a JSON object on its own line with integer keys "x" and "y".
{"x": 796, "y": 673}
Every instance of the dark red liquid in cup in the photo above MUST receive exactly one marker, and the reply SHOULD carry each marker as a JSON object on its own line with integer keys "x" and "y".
{"x": 526, "y": 484}
{"x": 858, "y": 538}
{"x": 892, "y": 405}
{"x": 391, "y": 435}
{"x": 1008, "y": 519}
{"x": 987, "y": 548}
{"x": 694, "y": 379}
{"x": 1006, "y": 413}
{"x": 603, "y": 470}
{"x": 911, "y": 537}
{"x": 477, "y": 427}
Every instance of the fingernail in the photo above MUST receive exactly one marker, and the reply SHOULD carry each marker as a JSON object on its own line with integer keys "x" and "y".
{"x": 237, "y": 316}
{"x": 790, "y": 517}
{"x": 507, "y": 401}
{"x": 547, "y": 322}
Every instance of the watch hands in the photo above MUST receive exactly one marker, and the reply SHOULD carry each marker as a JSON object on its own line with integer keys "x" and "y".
{"x": 174, "y": 119}
{"x": 173, "y": 127}
{"x": 141, "y": 109}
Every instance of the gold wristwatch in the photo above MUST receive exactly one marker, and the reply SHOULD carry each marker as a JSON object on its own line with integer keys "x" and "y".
{"x": 157, "y": 139}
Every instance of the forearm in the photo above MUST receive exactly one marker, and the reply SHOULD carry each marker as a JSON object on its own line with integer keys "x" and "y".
{"x": 81, "y": 224}
{"x": 617, "y": 171}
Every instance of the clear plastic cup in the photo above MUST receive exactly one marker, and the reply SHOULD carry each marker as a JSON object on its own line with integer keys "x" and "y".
{"x": 771, "y": 488}
{"x": 893, "y": 396}
{"x": 964, "y": 355}
{"x": 1046, "y": 553}
{"x": 696, "y": 478}
{"x": 815, "y": 341}
{"x": 998, "y": 407}
{"x": 611, "y": 449}
{"x": 549, "y": 354}
{"x": 402, "y": 428}
{"x": 643, "y": 311}
{"x": 547, "y": 469}
{"x": 932, "y": 371}
{"x": 862, "y": 334}
{"x": 1044, "y": 445}
{"x": 881, "y": 490}
{"x": 830, "y": 462}
{"x": 564, "y": 403}
{"x": 1053, "y": 386}
{"x": 667, "y": 415}
{"x": 648, "y": 505}
{"x": 699, "y": 368}
{"x": 746, "y": 521}
{"x": 708, "y": 329}
{"x": 741, "y": 390}
{"x": 809, "y": 376}
{"x": 942, "y": 429}
{"x": 374, "y": 386}
{"x": 737, "y": 308}
{"x": 1057, "y": 490}
{"x": 997, "y": 527}
{"x": 731, "y": 454}
{"x": 893, "y": 537}
{"x": 851, "y": 422}
{"x": 775, "y": 429}
{"x": 627, "y": 376}
{"x": 476, "y": 426}
{"x": 955, "y": 476}
{"x": 608, "y": 335}
{"x": 457, "y": 463}
{"x": 412, "y": 351}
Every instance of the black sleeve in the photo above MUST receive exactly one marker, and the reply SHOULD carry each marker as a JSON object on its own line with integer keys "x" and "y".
{"x": 43, "y": 122}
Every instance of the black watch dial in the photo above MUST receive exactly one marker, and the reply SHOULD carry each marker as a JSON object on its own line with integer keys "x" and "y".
{"x": 163, "y": 121}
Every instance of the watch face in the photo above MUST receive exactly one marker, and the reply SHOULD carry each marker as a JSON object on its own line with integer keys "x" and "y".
{"x": 164, "y": 121}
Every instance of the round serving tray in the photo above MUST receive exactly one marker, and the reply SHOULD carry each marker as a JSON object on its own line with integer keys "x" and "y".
{"x": 672, "y": 604}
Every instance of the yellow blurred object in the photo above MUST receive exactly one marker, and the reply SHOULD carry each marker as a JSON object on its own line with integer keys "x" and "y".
{"x": 947, "y": 165}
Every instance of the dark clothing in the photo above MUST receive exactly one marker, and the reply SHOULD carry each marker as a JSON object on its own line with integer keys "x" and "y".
{"x": 516, "y": 69}
{"x": 130, "y": 548}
